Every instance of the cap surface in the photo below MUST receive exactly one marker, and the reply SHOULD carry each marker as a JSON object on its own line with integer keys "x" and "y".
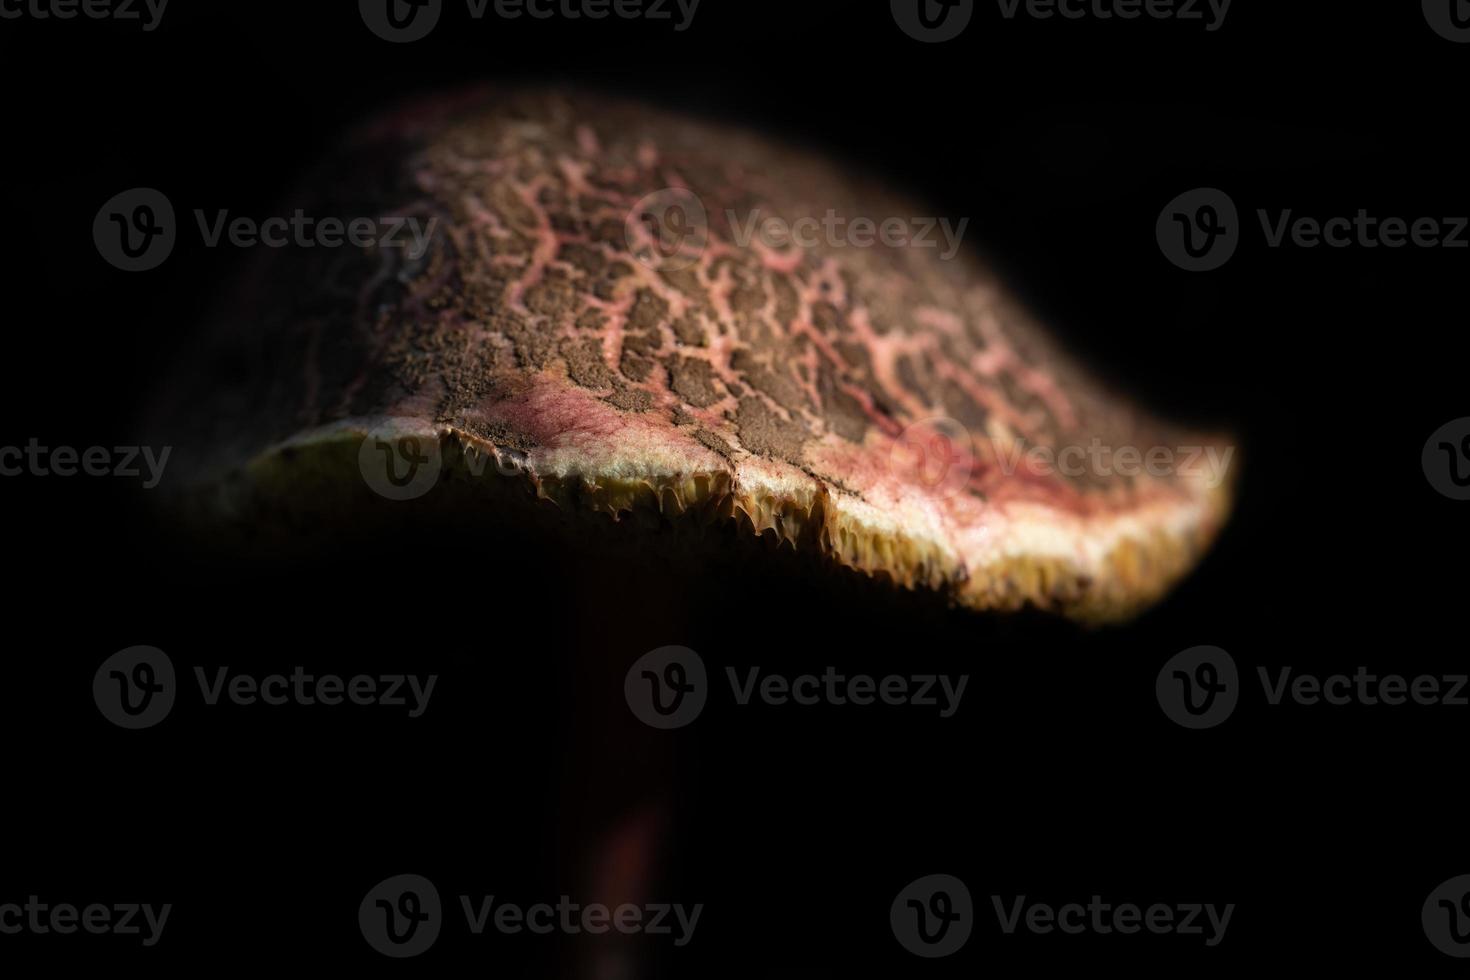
{"x": 604, "y": 306}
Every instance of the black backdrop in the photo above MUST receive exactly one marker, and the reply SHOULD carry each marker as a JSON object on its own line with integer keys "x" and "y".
{"x": 1059, "y": 779}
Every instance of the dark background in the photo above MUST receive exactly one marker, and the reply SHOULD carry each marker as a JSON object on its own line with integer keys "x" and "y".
{"x": 1059, "y": 779}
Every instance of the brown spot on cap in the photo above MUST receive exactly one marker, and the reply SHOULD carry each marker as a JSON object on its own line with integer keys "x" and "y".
{"x": 649, "y": 310}
{"x": 533, "y": 340}
{"x": 964, "y": 409}
{"x": 769, "y": 381}
{"x": 690, "y": 331}
{"x": 631, "y": 399}
{"x": 714, "y": 443}
{"x": 843, "y": 413}
{"x": 765, "y": 433}
{"x": 585, "y": 363}
{"x": 908, "y": 376}
{"x": 635, "y": 366}
{"x": 693, "y": 380}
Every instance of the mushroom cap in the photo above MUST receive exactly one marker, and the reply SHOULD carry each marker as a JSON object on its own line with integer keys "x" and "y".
{"x": 602, "y": 313}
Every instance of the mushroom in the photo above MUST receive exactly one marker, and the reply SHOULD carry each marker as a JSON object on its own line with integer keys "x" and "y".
{"x": 609, "y": 321}
{"x": 608, "y": 312}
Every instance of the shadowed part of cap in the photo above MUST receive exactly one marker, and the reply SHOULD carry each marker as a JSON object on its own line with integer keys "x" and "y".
{"x": 598, "y": 310}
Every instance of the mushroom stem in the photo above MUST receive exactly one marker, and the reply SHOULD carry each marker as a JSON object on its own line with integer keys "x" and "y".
{"x": 618, "y": 805}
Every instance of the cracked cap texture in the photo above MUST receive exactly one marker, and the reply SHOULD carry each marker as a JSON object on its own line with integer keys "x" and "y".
{"x": 602, "y": 306}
